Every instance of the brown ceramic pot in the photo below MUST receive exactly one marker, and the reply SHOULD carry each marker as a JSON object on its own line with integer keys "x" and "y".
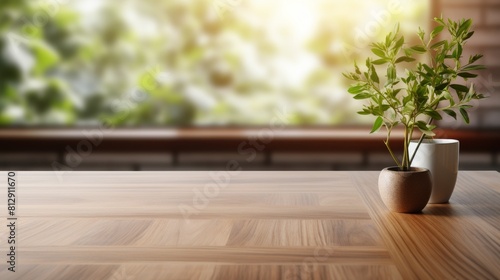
{"x": 405, "y": 191}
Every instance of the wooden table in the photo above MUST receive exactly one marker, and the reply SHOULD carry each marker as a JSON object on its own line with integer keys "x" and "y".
{"x": 244, "y": 225}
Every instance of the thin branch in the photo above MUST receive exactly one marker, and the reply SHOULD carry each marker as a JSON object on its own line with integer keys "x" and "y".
{"x": 419, "y": 142}
{"x": 387, "y": 144}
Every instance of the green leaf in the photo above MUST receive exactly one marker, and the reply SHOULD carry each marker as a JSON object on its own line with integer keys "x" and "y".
{"x": 480, "y": 96}
{"x": 356, "y": 89}
{"x": 468, "y": 35}
{"x": 469, "y": 95}
{"x": 467, "y": 75}
{"x": 425, "y": 128}
{"x": 451, "y": 23}
{"x": 364, "y": 112}
{"x": 384, "y": 107}
{"x": 458, "y": 54}
{"x": 380, "y": 61}
{"x": 450, "y": 113}
{"x": 407, "y": 51}
{"x": 421, "y": 34}
{"x": 474, "y": 58}
{"x": 473, "y": 67}
{"x": 422, "y": 125}
{"x": 374, "y": 76}
{"x": 418, "y": 49}
{"x": 464, "y": 27}
{"x": 433, "y": 114}
{"x": 368, "y": 63}
{"x": 377, "y": 125}
{"x": 464, "y": 114}
{"x": 356, "y": 68}
{"x": 351, "y": 76}
{"x": 459, "y": 88}
{"x": 439, "y": 20}
{"x": 441, "y": 86}
{"x": 363, "y": 95}
{"x": 406, "y": 99}
{"x": 405, "y": 59}
{"x": 399, "y": 43}
{"x": 447, "y": 96}
{"x": 388, "y": 39}
{"x": 438, "y": 44}
{"x": 379, "y": 110}
{"x": 429, "y": 133}
{"x": 440, "y": 57}
{"x": 428, "y": 69}
{"x": 347, "y": 75}
{"x": 408, "y": 108}
{"x": 436, "y": 31}
{"x": 391, "y": 73}
{"x": 378, "y": 52}
{"x": 447, "y": 71}
{"x": 379, "y": 46}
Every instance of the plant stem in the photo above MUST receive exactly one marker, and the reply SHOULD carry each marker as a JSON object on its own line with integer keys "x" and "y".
{"x": 405, "y": 150}
{"x": 386, "y": 142}
{"x": 419, "y": 142}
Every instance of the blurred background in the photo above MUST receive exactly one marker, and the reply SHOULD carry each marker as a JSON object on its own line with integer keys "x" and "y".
{"x": 193, "y": 84}
{"x": 196, "y": 62}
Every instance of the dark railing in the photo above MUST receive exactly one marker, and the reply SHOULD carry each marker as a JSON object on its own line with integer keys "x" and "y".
{"x": 263, "y": 141}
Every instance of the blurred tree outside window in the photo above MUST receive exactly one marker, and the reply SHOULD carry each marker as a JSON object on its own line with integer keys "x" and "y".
{"x": 188, "y": 62}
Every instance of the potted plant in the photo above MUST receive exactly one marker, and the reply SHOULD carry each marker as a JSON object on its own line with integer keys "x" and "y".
{"x": 411, "y": 86}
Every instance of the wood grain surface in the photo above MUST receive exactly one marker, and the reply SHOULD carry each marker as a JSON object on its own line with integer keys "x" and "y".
{"x": 245, "y": 225}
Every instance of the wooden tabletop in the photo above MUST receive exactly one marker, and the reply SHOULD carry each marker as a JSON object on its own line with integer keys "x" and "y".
{"x": 244, "y": 225}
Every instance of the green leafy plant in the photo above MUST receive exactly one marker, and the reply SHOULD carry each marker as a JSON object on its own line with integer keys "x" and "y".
{"x": 403, "y": 91}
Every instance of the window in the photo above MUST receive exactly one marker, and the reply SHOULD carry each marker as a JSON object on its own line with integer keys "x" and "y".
{"x": 179, "y": 62}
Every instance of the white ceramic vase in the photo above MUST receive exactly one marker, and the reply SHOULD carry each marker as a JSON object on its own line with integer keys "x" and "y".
{"x": 440, "y": 156}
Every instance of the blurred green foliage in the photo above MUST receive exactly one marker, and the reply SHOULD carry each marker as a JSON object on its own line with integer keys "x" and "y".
{"x": 185, "y": 62}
